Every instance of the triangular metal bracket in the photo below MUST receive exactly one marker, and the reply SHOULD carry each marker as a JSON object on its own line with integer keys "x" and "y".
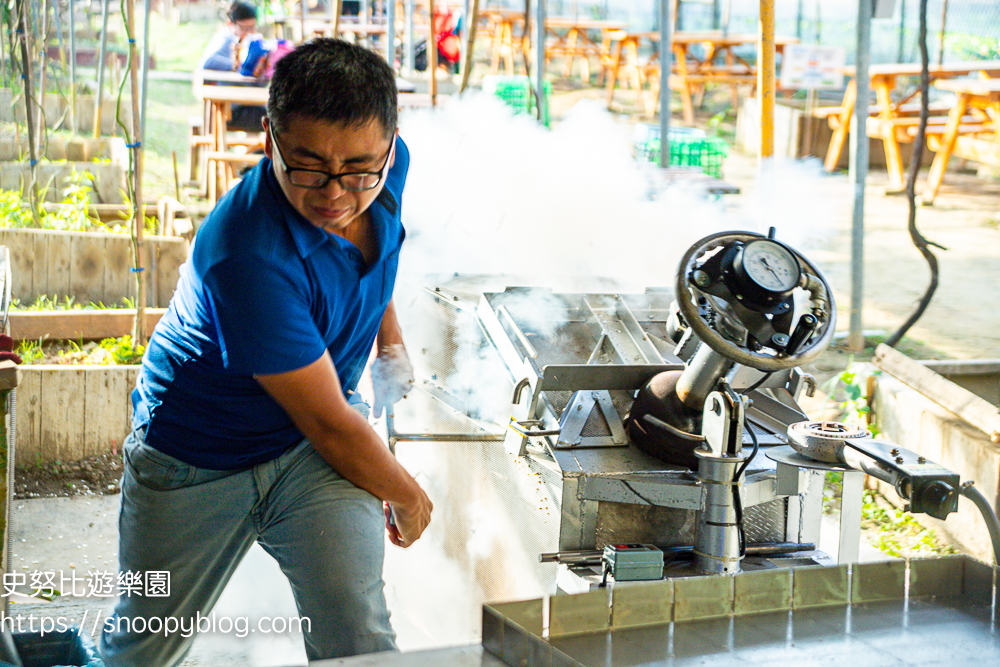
{"x": 578, "y": 412}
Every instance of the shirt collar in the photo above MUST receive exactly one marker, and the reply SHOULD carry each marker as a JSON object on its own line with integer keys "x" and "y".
{"x": 307, "y": 236}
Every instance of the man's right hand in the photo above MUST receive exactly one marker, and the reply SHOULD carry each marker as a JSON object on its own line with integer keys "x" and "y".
{"x": 406, "y": 522}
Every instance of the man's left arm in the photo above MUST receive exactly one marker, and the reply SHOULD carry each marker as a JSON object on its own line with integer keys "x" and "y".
{"x": 392, "y": 373}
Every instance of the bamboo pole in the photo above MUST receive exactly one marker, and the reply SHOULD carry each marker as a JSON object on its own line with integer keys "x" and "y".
{"x": 470, "y": 43}
{"x": 138, "y": 219}
{"x": 72, "y": 67}
{"x": 26, "y": 74}
{"x": 765, "y": 78}
{"x": 42, "y": 55}
{"x": 336, "y": 18}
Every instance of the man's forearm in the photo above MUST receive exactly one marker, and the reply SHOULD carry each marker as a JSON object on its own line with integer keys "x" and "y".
{"x": 389, "y": 331}
{"x": 357, "y": 453}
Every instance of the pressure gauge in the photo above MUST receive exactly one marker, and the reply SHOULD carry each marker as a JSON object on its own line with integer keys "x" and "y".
{"x": 765, "y": 271}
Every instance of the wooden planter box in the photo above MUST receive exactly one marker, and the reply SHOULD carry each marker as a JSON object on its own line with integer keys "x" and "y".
{"x": 107, "y": 182}
{"x": 66, "y": 413}
{"x": 12, "y": 111}
{"x": 75, "y": 149}
{"x": 90, "y": 266}
{"x": 77, "y": 324}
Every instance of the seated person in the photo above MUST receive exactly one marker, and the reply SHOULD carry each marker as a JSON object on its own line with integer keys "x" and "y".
{"x": 224, "y": 53}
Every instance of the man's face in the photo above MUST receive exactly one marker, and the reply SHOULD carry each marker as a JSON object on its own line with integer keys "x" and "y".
{"x": 243, "y": 27}
{"x": 336, "y": 149}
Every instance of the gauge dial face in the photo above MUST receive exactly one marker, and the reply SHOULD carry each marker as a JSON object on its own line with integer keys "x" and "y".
{"x": 771, "y": 265}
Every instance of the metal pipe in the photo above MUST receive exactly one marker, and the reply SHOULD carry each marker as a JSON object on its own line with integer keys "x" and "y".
{"x": 145, "y": 73}
{"x": 765, "y": 77}
{"x": 540, "y": 57}
{"x": 72, "y": 67}
{"x": 594, "y": 556}
{"x": 717, "y": 541}
{"x": 859, "y": 173}
{"x": 100, "y": 69}
{"x": 699, "y": 378}
{"x": 902, "y": 30}
{"x": 302, "y": 18}
{"x": 666, "y": 65}
{"x": 944, "y": 21}
{"x": 408, "y": 39}
{"x": 447, "y": 437}
{"x": 390, "y": 34}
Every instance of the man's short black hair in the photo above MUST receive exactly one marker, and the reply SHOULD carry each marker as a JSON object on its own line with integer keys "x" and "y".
{"x": 241, "y": 11}
{"x": 336, "y": 81}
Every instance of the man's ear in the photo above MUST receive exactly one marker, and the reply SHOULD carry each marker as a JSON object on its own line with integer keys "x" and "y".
{"x": 395, "y": 137}
{"x": 268, "y": 148}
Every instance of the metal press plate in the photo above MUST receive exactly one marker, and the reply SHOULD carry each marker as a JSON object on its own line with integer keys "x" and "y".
{"x": 876, "y": 635}
{"x": 955, "y": 627}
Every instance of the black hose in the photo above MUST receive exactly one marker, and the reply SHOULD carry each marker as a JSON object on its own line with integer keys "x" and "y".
{"x": 989, "y": 516}
{"x": 737, "y": 501}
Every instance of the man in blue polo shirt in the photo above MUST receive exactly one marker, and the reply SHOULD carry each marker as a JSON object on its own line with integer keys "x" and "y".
{"x": 246, "y": 424}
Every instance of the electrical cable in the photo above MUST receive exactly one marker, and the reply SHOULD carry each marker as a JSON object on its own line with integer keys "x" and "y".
{"x": 737, "y": 501}
{"x": 758, "y": 383}
{"x": 989, "y": 516}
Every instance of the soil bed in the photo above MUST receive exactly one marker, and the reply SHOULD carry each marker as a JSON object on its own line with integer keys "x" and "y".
{"x": 93, "y": 476}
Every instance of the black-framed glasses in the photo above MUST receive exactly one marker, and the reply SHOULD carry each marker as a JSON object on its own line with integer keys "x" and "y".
{"x": 314, "y": 179}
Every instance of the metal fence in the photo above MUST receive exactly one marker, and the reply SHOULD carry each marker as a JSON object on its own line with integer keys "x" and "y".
{"x": 957, "y": 30}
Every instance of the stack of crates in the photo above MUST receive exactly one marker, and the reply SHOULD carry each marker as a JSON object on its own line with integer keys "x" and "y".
{"x": 689, "y": 147}
{"x": 515, "y": 91}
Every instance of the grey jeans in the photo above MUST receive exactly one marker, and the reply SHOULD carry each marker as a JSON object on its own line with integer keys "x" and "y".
{"x": 197, "y": 524}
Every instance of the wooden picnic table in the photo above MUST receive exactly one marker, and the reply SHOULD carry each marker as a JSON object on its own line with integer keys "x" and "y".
{"x": 696, "y": 62}
{"x": 221, "y": 161}
{"x": 324, "y": 25}
{"x": 982, "y": 145}
{"x": 571, "y": 38}
{"x": 891, "y": 120}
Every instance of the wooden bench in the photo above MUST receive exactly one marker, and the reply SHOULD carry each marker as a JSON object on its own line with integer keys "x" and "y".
{"x": 226, "y": 163}
{"x": 981, "y": 144}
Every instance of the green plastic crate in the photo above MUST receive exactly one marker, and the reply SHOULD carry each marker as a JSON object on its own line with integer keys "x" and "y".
{"x": 515, "y": 91}
{"x": 689, "y": 147}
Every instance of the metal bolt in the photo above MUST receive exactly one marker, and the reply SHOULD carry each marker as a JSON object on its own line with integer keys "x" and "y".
{"x": 894, "y": 451}
{"x": 899, "y": 459}
{"x": 921, "y": 459}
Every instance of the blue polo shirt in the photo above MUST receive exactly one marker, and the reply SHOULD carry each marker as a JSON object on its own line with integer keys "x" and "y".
{"x": 264, "y": 291}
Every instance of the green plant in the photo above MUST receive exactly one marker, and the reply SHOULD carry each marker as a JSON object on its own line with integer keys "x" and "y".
{"x": 856, "y": 404}
{"x": 30, "y": 351}
{"x": 122, "y": 350}
{"x": 973, "y": 47}
{"x": 46, "y": 302}
{"x": 899, "y": 534}
{"x": 108, "y": 352}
